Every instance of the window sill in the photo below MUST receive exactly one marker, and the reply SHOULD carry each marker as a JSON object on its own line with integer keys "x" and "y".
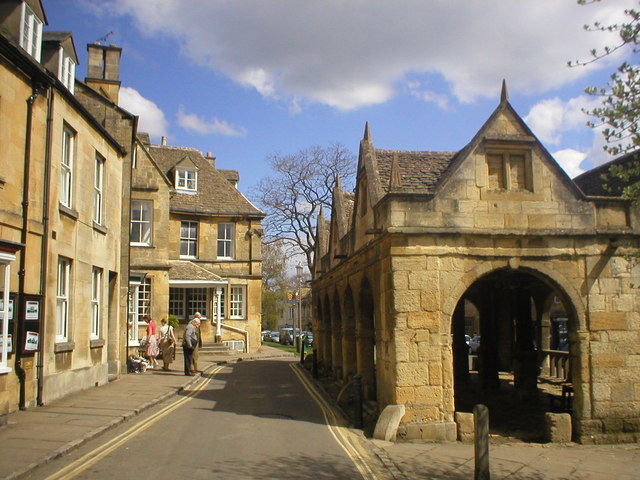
{"x": 64, "y": 347}
{"x": 96, "y": 343}
{"x": 69, "y": 212}
{"x": 141, "y": 245}
{"x": 100, "y": 228}
{"x": 5, "y": 370}
{"x": 134, "y": 343}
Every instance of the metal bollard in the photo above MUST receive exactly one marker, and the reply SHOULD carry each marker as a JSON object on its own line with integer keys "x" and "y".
{"x": 481, "y": 442}
{"x": 301, "y": 351}
{"x": 357, "y": 387}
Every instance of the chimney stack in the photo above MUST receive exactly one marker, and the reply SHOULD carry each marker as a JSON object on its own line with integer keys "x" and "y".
{"x": 209, "y": 156}
{"x": 163, "y": 141}
{"x": 103, "y": 71}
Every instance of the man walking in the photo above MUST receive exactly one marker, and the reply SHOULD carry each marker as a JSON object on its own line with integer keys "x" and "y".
{"x": 194, "y": 357}
{"x": 189, "y": 342}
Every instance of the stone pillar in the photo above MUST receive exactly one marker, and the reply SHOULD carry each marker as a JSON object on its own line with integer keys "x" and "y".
{"x": 525, "y": 365}
{"x": 460, "y": 348}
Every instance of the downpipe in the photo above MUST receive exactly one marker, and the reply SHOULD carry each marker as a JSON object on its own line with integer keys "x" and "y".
{"x": 20, "y": 371}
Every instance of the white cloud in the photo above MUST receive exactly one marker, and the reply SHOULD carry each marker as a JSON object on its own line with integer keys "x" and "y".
{"x": 152, "y": 119}
{"x": 550, "y": 118}
{"x": 190, "y": 121}
{"x": 353, "y": 53}
{"x": 570, "y": 161}
{"x": 419, "y": 91}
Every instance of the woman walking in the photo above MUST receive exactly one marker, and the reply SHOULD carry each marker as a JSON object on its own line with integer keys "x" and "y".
{"x": 167, "y": 344}
{"x": 152, "y": 342}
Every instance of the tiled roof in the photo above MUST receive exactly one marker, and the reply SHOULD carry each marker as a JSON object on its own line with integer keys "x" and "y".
{"x": 186, "y": 270}
{"x": 419, "y": 171}
{"x": 215, "y": 195}
{"x": 592, "y": 183}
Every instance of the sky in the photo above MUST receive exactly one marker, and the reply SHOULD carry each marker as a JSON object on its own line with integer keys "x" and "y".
{"x": 245, "y": 79}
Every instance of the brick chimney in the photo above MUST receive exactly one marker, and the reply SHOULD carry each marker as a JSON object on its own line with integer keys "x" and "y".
{"x": 103, "y": 71}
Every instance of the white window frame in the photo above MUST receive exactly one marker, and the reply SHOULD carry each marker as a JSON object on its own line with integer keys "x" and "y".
{"x": 144, "y": 299}
{"x": 96, "y": 302}
{"x": 98, "y": 189}
{"x": 187, "y": 179}
{"x": 63, "y": 290}
{"x": 188, "y": 240}
{"x": 30, "y": 32}
{"x": 226, "y": 237}
{"x": 177, "y": 302}
{"x": 145, "y": 238}
{"x": 67, "y": 70}
{"x": 237, "y": 301}
{"x": 199, "y": 304}
{"x": 5, "y": 287}
{"x": 67, "y": 165}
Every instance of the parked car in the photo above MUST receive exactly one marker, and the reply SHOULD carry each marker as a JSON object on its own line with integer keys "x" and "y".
{"x": 274, "y": 336}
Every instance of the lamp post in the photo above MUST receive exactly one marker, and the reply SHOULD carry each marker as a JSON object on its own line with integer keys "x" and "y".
{"x": 300, "y": 345}
{"x": 218, "y": 338}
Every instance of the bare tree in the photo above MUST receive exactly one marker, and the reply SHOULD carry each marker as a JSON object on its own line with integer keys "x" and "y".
{"x": 300, "y": 187}
{"x": 275, "y": 284}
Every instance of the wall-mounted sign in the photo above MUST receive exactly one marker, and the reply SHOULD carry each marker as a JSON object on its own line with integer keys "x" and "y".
{"x": 31, "y": 341}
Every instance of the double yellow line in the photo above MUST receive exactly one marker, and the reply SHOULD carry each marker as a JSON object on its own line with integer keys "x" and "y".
{"x": 83, "y": 463}
{"x": 336, "y": 427}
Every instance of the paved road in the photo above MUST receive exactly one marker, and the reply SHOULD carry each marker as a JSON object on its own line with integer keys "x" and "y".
{"x": 249, "y": 420}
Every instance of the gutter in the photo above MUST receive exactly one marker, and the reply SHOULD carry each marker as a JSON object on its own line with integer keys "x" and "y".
{"x": 45, "y": 245}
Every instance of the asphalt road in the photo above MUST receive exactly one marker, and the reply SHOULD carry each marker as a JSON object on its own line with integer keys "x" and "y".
{"x": 249, "y": 420}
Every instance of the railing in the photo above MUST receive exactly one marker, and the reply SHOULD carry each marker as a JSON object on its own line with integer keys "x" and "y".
{"x": 559, "y": 365}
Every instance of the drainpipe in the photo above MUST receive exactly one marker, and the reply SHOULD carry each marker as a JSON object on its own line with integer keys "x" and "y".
{"x": 23, "y": 238}
{"x": 44, "y": 260}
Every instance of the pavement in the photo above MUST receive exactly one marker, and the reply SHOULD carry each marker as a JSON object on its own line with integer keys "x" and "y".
{"x": 38, "y": 435}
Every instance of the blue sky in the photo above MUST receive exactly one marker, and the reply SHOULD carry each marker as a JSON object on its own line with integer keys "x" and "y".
{"x": 246, "y": 78}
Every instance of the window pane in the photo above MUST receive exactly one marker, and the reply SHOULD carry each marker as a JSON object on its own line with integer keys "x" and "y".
{"x": 517, "y": 172}
{"x": 495, "y": 168}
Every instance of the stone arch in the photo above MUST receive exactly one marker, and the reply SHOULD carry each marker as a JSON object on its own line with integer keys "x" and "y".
{"x": 511, "y": 305}
{"x": 336, "y": 337}
{"x": 327, "y": 344}
{"x": 349, "y": 349}
{"x": 366, "y": 340}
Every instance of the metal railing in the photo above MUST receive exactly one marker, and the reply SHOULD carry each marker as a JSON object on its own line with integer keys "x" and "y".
{"x": 559, "y": 364}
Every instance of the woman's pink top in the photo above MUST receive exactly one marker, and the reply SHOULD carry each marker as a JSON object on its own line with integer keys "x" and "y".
{"x": 151, "y": 328}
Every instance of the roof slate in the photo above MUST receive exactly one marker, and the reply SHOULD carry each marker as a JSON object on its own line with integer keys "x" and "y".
{"x": 215, "y": 195}
{"x": 592, "y": 183}
{"x": 186, "y": 270}
{"x": 420, "y": 172}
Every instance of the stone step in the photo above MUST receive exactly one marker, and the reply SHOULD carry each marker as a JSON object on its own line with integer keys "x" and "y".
{"x": 216, "y": 348}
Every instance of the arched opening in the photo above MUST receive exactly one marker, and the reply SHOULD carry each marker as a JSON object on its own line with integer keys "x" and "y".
{"x": 349, "y": 350}
{"x": 366, "y": 341}
{"x": 336, "y": 332}
{"x": 327, "y": 344}
{"x": 505, "y": 328}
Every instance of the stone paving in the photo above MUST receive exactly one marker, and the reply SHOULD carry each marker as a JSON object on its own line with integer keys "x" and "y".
{"x": 40, "y": 434}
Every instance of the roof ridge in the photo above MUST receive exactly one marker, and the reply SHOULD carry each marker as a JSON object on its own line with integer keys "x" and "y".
{"x": 391, "y": 150}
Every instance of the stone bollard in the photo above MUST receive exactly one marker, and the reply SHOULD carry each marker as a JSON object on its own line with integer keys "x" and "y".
{"x": 465, "y": 426}
{"x": 481, "y": 444}
{"x": 557, "y": 427}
